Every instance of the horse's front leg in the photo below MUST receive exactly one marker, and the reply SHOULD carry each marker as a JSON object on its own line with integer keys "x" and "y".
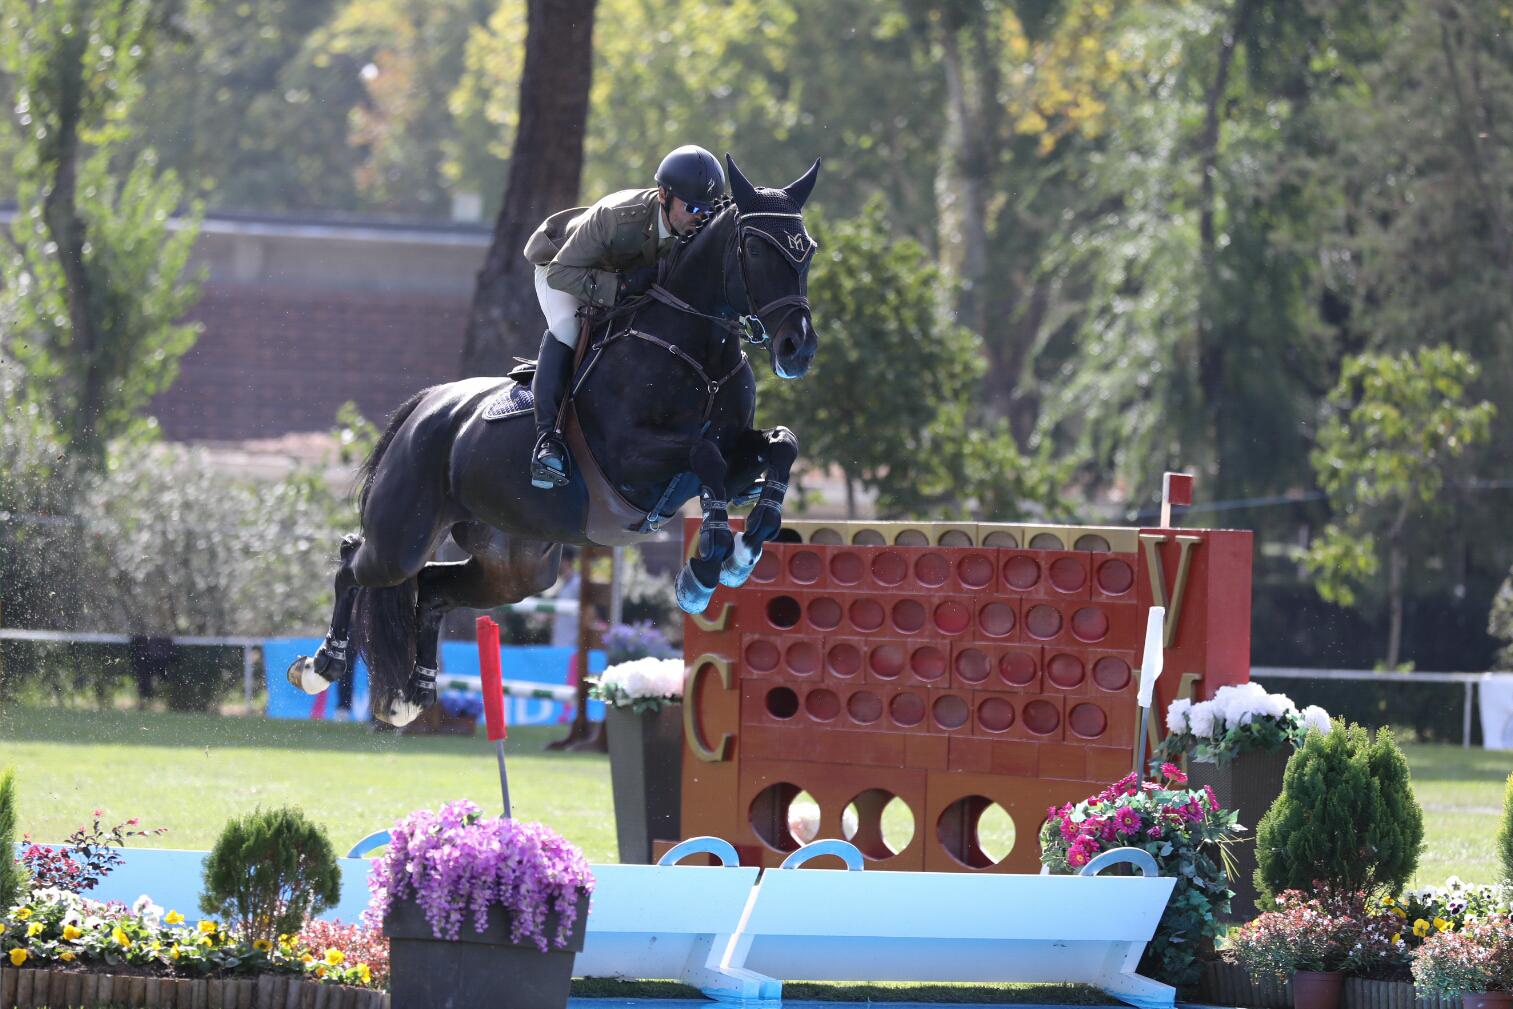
{"x": 772, "y": 455}
{"x": 701, "y": 575}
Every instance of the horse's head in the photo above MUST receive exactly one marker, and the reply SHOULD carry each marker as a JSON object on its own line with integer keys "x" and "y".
{"x": 773, "y": 253}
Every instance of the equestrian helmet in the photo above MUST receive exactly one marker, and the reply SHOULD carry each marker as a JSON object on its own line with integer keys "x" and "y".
{"x": 693, "y": 175}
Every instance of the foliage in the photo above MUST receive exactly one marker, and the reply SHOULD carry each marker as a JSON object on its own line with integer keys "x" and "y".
{"x": 456, "y": 862}
{"x": 1238, "y": 719}
{"x": 269, "y": 871}
{"x": 1505, "y": 834}
{"x": 53, "y": 926}
{"x": 11, "y": 876}
{"x": 98, "y": 273}
{"x": 1475, "y": 959}
{"x": 1185, "y": 831}
{"x": 1430, "y": 910}
{"x": 91, "y": 854}
{"x": 641, "y": 684}
{"x": 1500, "y": 621}
{"x": 364, "y": 951}
{"x": 1346, "y": 816}
{"x": 1320, "y": 931}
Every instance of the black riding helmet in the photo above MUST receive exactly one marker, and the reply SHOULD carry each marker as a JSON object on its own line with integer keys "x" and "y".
{"x": 693, "y": 175}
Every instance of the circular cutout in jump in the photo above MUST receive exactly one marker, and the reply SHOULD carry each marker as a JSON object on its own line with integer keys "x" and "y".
{"x": 973, "y": 665}
{"x": 1043, "y": 621}
{"x": 1066, "y": 671}
{"x": 783, "y": 612}
{"x": 889, "y": 567}
{"x": 879, "y": 823}
{"x": 803, "y": 657}
{"x": 864, "y": 706}
{"x": 1087, "y": 720}
{"x": 866, "y": 614}
{"x": 1093, "y": 543}
{"x": 1090, "y": 624}
{"x": 824, "y": 613}
{"x": 886, "y": 660}
{"x": 1115, "y": 577}
{"x": 1041, "y": 717}
{"x": 787, "y": 534}
{"x": 1021, "y": 572}
{"x": 996, "y": 619}
{"x": 844, "y": 659}
{"x": 1111, "y": 673}
{"x": 1017, "y": 668}
{"x": 826, "y": 537}
{"x": 868, "y": 538}
{"x": 1067, "y": 574}
{"x": 995, "y": 714}
{"x": 971, "y": 836}
{"x": 1000, "y": 538}
{"x": 911, "y": 538}
{"x": 995, "y": 833}
{"x": 950, "y": 711}
{"x": 932, "y": 569}
{"x": 762, "y": 656}
{"x": 805, "y": 567}
{"x": 782, "y": 702}
{"x": 772, "y": 820}
{"x": 1046, "y": 541}
{"x": 975, "y": 571}
{"x": 906, "y": 709}
{"x": 952, "y": 617}
{"x": 955, "y": 538}
{"x": 847, "y": 567}
{"x": 768, "y": 567}
{"x": 928, "y": 662}
{"x": 822, "y": 705}
{"x": 908, "y": 615}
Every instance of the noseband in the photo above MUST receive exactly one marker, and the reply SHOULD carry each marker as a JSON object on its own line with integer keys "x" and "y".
{"x": 751, "y": 325}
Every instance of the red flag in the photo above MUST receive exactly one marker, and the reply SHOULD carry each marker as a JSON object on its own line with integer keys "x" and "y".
{"x": 493, "y": 678}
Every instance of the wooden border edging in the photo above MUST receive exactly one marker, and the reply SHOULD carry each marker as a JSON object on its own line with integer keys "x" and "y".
{"x": 1231, "y": 985}
{"x": 21, "y": 988}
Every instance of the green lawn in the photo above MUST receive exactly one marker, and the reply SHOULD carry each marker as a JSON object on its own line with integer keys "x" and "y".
{"x": 189, "y": 773}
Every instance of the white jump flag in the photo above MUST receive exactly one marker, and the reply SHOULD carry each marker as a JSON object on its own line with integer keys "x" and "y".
{"x": 1150, "y": 671}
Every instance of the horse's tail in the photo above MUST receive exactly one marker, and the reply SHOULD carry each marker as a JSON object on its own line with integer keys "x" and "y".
{"x": 370, "y": 464}
{"x": 383, "y": 633}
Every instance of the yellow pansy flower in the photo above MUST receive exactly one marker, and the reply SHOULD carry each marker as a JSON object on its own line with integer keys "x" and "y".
{"x": 174, "y": 952}
{"x": 172, "y": 918}
{"x": 66, "y": 956}
{"x": 120, "y": 937}
{"x": 320, "y": 971}
{"x": 22, "y": 913}
{"x": 262, "y": 945}
{"x": 206, "y": 925}
{"x": 35, "y": 928}
{"x": 1388, "y": 902}
{"x": 1420, "y": 928}
{"x": 306, "y": 958}
{"x": 1442, "y": 924}
{"x": 205, "y": 940}
{"x": 72, "y": 932}
{"x": 18, "y": 957}
{"x": 364, "y": 972}
{"x": 1397, "y": 937}
{"x": 335, "y": 956}
{"x": 1400, "y": 913}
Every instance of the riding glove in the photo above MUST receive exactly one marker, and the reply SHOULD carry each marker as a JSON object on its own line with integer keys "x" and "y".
{"x": 638, "y": 281}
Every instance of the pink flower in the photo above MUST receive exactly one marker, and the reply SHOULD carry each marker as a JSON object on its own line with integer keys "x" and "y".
{"x": 1173, "y": 773}
{"x": 1213, "y": 800}
{"x": 1068, "y": 828}
{"x": 99, "y": 813}
{"x": 1154, "y": 831}
{"x": 1127, "y": 821}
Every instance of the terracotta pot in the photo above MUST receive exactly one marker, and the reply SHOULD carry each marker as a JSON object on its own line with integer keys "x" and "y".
{"x": 1487, "y": 1000}
{"x": 1313, "y": 989}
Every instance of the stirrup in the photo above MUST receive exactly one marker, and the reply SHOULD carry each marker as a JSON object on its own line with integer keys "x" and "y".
{"x": 543, "y": 475}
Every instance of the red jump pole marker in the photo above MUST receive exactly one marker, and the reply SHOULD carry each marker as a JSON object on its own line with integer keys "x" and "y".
{"x": 1176, "y": 489}
{"x": 493, "y": 697}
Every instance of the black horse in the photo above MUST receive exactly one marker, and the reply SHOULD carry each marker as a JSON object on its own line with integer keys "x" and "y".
{"x": 665, "y": 400}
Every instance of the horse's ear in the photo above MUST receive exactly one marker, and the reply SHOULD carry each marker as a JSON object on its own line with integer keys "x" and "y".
{"x": 798, "y": 190}
{"x": 741, "y": 190}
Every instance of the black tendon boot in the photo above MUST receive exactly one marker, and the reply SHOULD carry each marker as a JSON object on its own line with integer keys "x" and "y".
{"x": 550, "y": 460}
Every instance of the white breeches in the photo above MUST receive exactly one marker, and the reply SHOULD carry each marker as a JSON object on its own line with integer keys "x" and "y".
{"x": 560, "y": 309}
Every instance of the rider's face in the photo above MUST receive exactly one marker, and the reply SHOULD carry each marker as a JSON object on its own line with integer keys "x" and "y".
{"x": 678, "y": 217}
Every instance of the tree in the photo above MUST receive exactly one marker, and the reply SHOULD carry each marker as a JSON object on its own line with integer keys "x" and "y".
{"x": 1396, "y": 428}
{"x": 270, "y": 872}
{"x": 545, "y": 167}
{"x": 97, "y": 275}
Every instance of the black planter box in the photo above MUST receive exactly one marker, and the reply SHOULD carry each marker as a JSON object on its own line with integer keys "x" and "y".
{"x": 479, "y": 970}
{"x": 646, "y": 777}
{"x": 1249, "y": 784}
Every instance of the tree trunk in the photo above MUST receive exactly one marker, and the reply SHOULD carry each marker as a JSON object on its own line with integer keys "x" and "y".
{"x": 1397, "y": 563}
{"x": 850, "y": 497}
{"x": 546, "y": 166}
{"x": 962, "y": 183}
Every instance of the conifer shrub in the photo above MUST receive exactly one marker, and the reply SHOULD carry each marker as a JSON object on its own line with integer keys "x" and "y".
{"x": 269, "y": 872}
{"x": 11, "y": 878}
{"x": 1346, "y": 818}
{"x": 1505, "y": 833}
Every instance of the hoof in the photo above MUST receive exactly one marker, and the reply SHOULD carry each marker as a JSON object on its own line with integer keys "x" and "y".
{"x": 401, "y": 712}
{"x": 693, "y": 597}
{"x": 739, "y": 565}
{"x": 303, "y": 674}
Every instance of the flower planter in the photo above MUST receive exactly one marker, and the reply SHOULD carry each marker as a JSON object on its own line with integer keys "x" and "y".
{"x": 21, "y": 988}
{"x": 1313, "y": 989}
{"x": 1487, "y": 1000}
{"x": 646, "y": 775}
{"x": 478, "y": 968}
{"x": 1249, "y": 784}
{"x": 1230, "y": 984}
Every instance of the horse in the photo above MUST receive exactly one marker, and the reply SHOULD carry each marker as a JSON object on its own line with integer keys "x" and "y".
{"x": 663, "y": 405}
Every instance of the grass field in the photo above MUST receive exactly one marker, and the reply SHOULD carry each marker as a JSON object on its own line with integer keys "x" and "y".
{"x": 190, "y": 773}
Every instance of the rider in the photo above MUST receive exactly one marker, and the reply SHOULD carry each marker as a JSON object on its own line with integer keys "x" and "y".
{"x": 600, "y": 255}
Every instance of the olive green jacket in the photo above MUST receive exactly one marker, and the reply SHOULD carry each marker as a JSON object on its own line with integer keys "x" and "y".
{"x": 585, "y": 247}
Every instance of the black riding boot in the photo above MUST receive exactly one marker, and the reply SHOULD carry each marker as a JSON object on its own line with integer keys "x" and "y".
{"x": 550, "y": 460}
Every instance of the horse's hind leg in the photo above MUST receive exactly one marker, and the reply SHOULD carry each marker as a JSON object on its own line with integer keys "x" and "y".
{"x": 315, "y": 673}
{"x": 770, "y": 454}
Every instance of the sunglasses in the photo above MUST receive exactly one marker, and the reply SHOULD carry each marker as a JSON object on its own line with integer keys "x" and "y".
{"x": 697, "y": 209}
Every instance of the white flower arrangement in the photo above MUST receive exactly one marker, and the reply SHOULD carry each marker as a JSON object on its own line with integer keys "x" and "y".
{"x": 641, "y": 684}
{"x": 1238, "y": 718}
